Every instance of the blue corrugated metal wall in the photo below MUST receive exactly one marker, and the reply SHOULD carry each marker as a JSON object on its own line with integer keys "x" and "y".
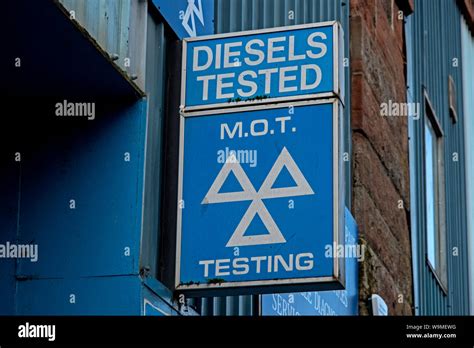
{"x": 436, "y": 47}
{"x": 239, "y": 15}
{"x": 468, "y": 91}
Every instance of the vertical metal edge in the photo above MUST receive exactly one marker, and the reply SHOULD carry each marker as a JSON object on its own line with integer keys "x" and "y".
{"x": 338, "y": 192}
{"x": 341, "y": 67}
{"x": 341, "y": 184}
{"x": 335, "y": 184}
{"x": 335, "y": 59}
{"x": 183, "y": 74}
{"x": 260, "y": 301}
{"x": 260, "y": 308}
{"x": 145, "y": 154}
{"x": 180, "y": 198}
{"x": 180, "y": 166}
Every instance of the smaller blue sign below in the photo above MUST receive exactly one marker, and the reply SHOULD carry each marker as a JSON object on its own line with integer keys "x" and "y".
{"x": 188, "y": 18}
{"x": 322, "y": 303}
{"x": 262, "y": 66}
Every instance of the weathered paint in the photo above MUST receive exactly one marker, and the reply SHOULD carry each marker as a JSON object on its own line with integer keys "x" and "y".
{"x": 119, "y": 27}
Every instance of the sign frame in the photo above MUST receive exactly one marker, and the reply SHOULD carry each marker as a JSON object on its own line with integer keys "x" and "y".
{"x": 338, "y": 66}
{"x": 334, "y": 282}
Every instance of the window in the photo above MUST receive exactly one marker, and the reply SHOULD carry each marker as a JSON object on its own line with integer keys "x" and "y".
{"x": 435, "y": 196}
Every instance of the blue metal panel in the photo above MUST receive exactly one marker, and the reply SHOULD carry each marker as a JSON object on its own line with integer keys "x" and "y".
{"x": 206, "y": 306}
{"x": 436, "y": 51}
{"x": 246, "y": 306}
{"x": 232, "y": 305}
{"x": 219, "y": 306}
{"x": 80, "y": 296}
{"x": 156, "y": 78}
{"x": 97, "y": 241}
{"x": 123, "y": 295}
{"x": 87, "y": 165}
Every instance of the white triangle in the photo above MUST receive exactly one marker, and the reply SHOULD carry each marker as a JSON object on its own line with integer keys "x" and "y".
{"x": 231, "y": 165}
{"x": 302, "y": 187}
{"x": 257, "y": 207}
{"x": 274, "y": 236}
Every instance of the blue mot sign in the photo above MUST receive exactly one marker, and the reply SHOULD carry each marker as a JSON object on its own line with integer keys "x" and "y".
{"x": 260, "y": 199}
{"x": 279, "y": 64}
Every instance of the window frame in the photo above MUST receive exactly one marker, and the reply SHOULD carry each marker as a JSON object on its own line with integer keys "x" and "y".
{"x": 439, "y": 269}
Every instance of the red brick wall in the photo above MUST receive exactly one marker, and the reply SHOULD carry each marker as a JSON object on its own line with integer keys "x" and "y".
{"x": 381, "y": 192}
